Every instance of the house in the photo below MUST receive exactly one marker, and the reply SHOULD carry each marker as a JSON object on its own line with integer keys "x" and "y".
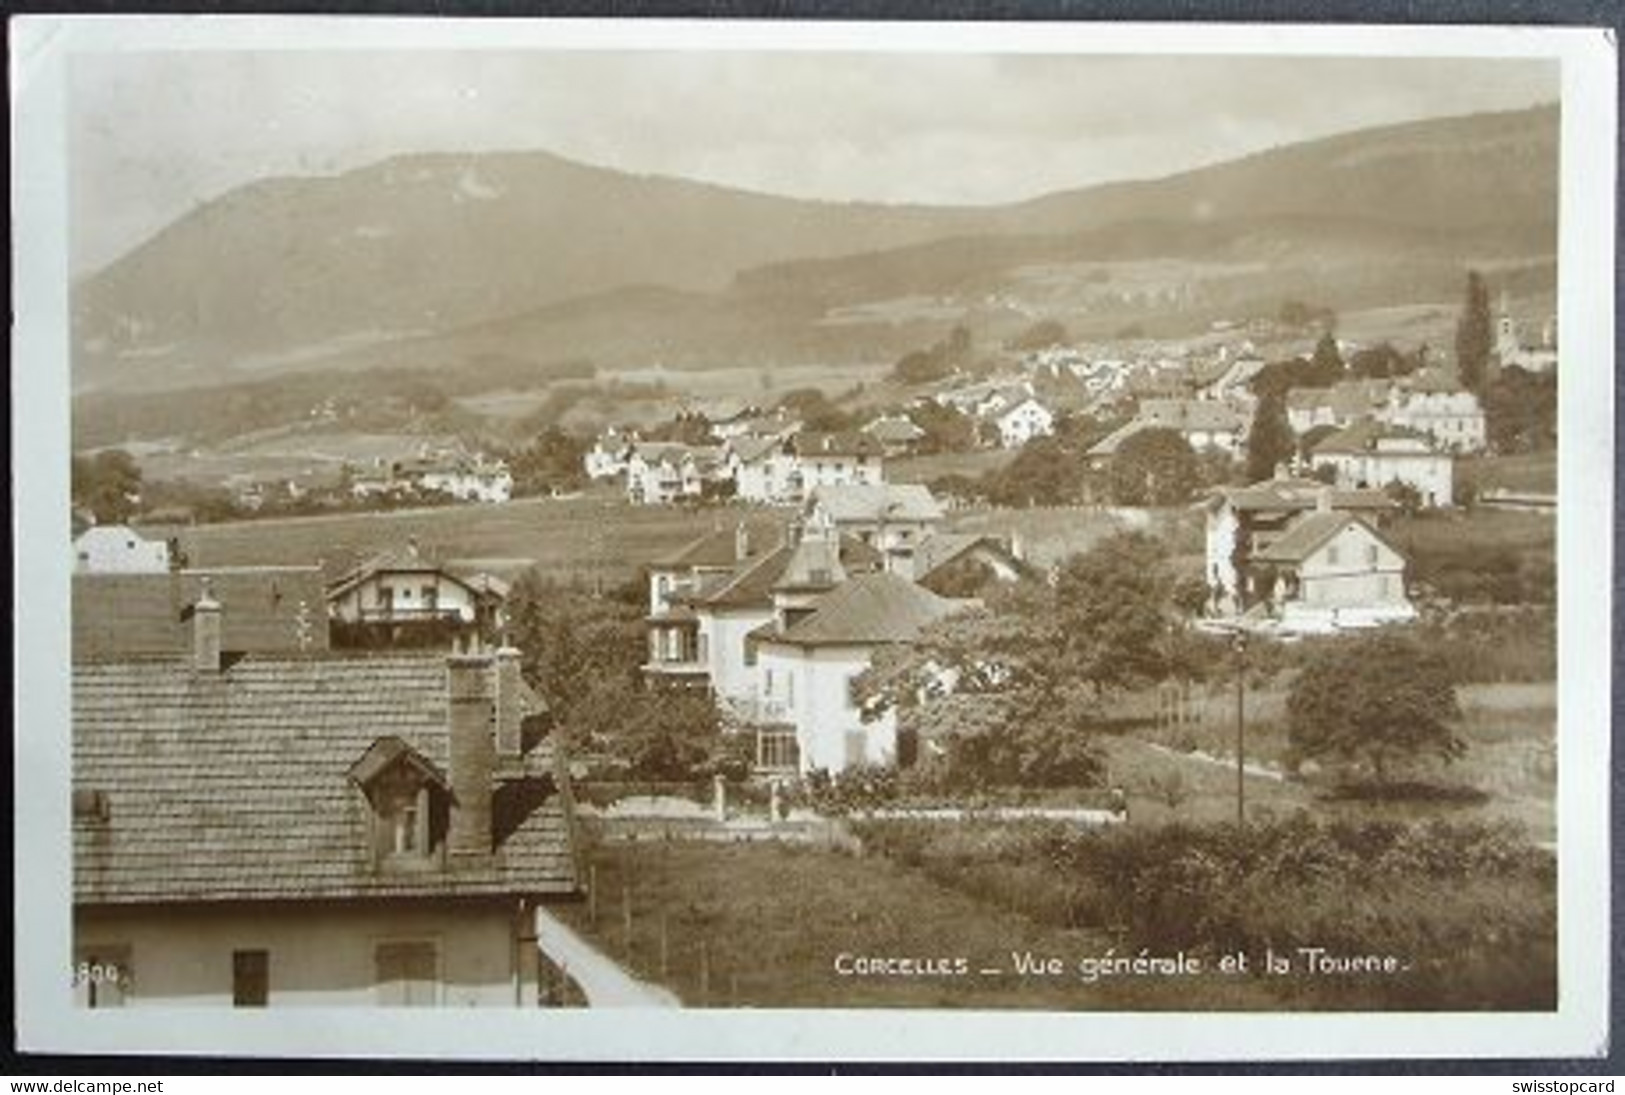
{"x": 834, "y": 459}
{"x": 1206, "y": 425}
{"x": 267, "y": 610}
{"x": 118, "y": 549}
{"x": 1242, "y": 521}
{"x": 1429, "y": 401}
{"x": 1331, "y": 571}
{"x": 966, "y": 564}
{"x": 897, "y": 434}
{"x": 295, "y": 830}
{"x": 1511, "y": 350}
{"x": 1020, "y": 423}
{"x": 1434, "y": 403}
{"x": 609, "y": 454}
{"x": 463, "y": 477}
{"x": 663, "y": 472}
{"x": 892, "y": 518}
{"x": 405, "y": 597}
{"x": 1229, "y": 375}
{"x": 1370, "y": 454}
{"x": 814, "y": 649}
{"x": 760, "y": 468}
{"x": 678, "y": 654}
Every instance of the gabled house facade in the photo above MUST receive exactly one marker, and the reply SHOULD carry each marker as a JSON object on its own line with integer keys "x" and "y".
{"x": 813, "y": 651}
{"x": 118, "y": 549}
{"x": 1370, "y": 455}
{"x": 407, "y": 598}
{"x": 1022, "y": 422}
{"x": 1331, "y": 572}
{"x": 312, "y": 830}
{"x": 892, "y": 518}
{"x": 833, "y": 460}
{"x": 1243, "y": 523}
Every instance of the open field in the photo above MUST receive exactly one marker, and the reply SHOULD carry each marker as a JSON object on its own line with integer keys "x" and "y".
{"x": 594, "y": 536}
{"x": 1510, "y": 731}
{"x": 924, "y": 469}
{"x": 1535, "y": 472}
{"x": 774, "y": 919}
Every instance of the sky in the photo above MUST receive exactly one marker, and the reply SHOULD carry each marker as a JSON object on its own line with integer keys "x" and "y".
{"x": 152, "y": 134}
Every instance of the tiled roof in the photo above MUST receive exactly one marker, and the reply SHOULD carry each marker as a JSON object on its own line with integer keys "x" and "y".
{"x": 814, "y": 563}
{"x": 750, "y": 449}
{"x": 1189, "y": 414}
{"x": 872, "y": 503}
{"x": 267, "y": 610}
{"x": 1305, "y": 537}
{"x": 1363, "y": 436}
{"x": 943, "y": 548}
{"x": 853, "y": 443}
{"x": 1286, "y": 495}
{"x": 235, "y": 785}
{"x": 402, "y": 560}
{"x": 751, "y": 584}
{"x": 871, "y": 609}
{"x": 719, "y": 548}
{"x": 895, "y": 430}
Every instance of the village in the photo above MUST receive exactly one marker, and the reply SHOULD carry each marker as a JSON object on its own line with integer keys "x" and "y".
{"x": 723, "y": 668}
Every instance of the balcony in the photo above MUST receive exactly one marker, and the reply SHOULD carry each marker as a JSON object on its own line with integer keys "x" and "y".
{"x": 760, "y": 712}
{"x": 400, "y": 615}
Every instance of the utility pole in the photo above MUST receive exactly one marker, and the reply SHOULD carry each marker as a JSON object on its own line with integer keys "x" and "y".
{"x": 1239, "y": 644}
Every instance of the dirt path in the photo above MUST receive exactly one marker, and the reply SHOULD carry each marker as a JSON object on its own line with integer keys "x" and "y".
{"x": 605, "y": 983}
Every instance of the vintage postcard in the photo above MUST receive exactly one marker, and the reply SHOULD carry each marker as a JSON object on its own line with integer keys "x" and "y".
{"x": 856, "y": 541}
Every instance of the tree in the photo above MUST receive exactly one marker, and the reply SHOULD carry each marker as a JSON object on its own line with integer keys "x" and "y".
{"x": 108, "y": 484}
{"x": 1154, "y": 467}
{"x": 1520, "y": 411}
{"x": 1327, "y": 359}
{"x": 1012, "y": 692}
{"x": 946, "y": 428}
{"x": 1045, "y": 472}
{"x": 1381, "y": 698}
{"x": 1381, "y": 361}
{"x": 1270, "y": 441}
{"x": 815, "y": 410}
{"x": 1475, "y": 336}
{"x": 572, "y": 639}
{"x": 554, "y": 461}
{"x": 1041, "y": 335}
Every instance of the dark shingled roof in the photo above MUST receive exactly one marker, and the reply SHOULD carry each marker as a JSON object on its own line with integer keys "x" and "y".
{"x": 942, "y": 548}
{"x": 267, "y": 610}
{"x": 1306, "y": 536}
{"x": 235, "y": 785}
{"x": 871, "y": 609}
{"x": 1287, "y": 495}
{"x": 851, "y": 443}
{"x": 714, "y": 549}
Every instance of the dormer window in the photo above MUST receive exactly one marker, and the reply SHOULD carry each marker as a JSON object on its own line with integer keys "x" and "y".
{"x": 408, "y": 801}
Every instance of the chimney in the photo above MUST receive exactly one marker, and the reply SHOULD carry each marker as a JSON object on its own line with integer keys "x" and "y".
{"x": 741, "y": 542}
{"x": 206, "y": 626}
{"x": 508, "y": 716}
{"x": 792, "y": 532}
{"x": 472, "y": 755}
{"x": 1018, "y": 548}
{"x": 1323, "y": 500}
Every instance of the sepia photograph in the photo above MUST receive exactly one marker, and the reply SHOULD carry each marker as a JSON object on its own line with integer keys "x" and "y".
{"x": 953, "y": 525}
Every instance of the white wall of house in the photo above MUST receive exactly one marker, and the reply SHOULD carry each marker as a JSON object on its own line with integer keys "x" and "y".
{"x": 119, "y": 549}
{"x": 1354, "y": 569}
{"x": 1023, "y": 422}
{"x": 724, "y": 631}
{"x": 652, "y": 483}
{"x": 1222, "y": 529}
{"x": 317, "y": 955}
{"x": 813, "y": 686}
{"x": 1453, "y": 419}
{"x": 1432, "y": 474}
{"x": 490, "y": 485}
{"x": 838, "y": 470}
{"x": 406, "y": 594}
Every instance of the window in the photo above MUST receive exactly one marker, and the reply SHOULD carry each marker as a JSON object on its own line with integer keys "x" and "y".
{"x": 250, "y": 978}
{"x": 431, "y": 598}
{"x": 1371, "y": 554}
{"x": 1331, "y": 555}
{"x": 407, "y": 974}
{"x": 102, "y": 976}
{"x": 386, "y": 599}
{"x": 790, "y": 687}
